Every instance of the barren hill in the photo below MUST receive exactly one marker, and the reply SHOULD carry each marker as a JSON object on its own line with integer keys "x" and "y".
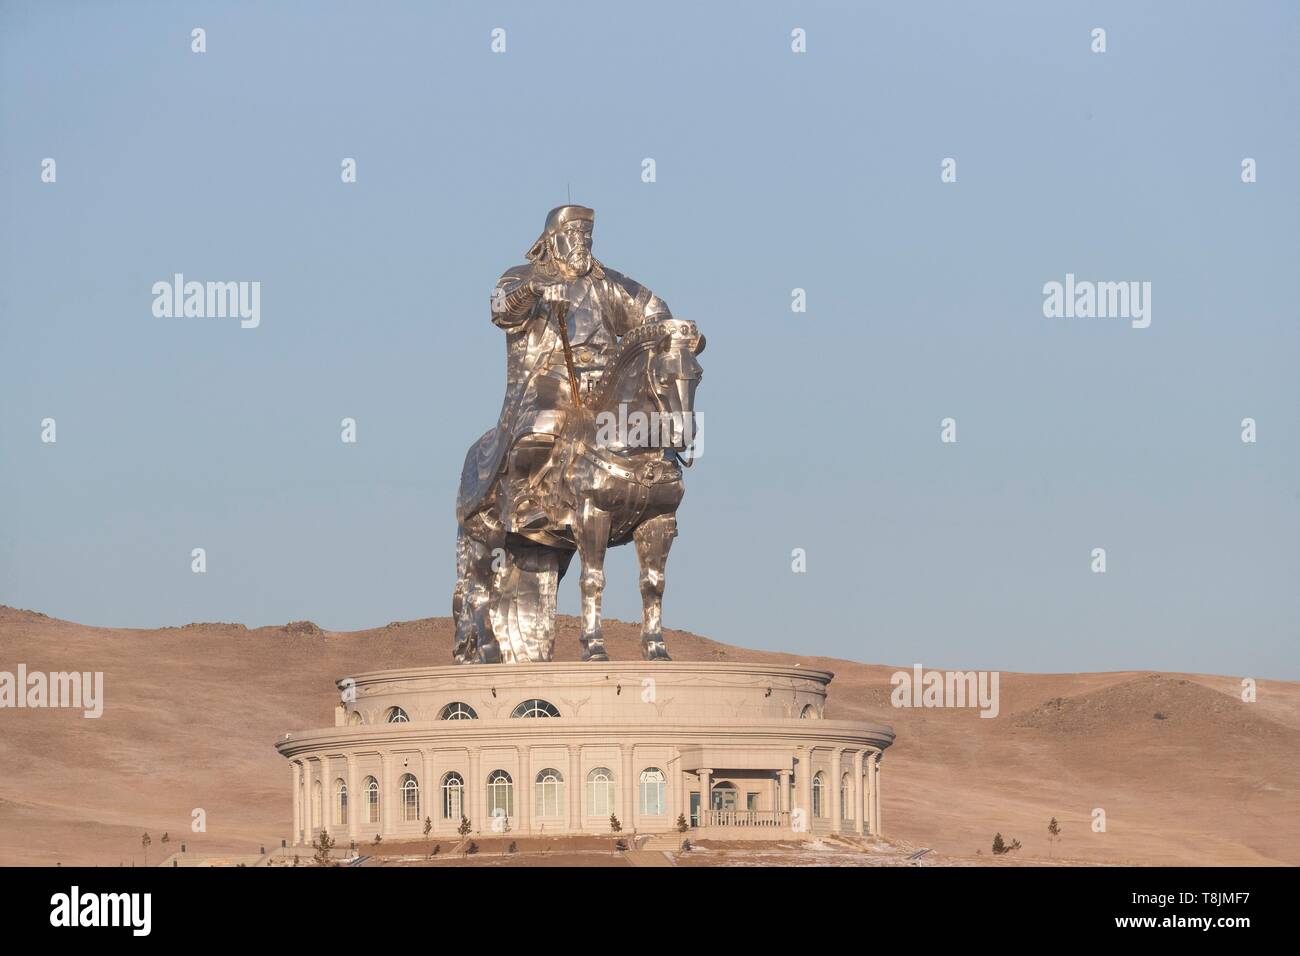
{"x": 1183, "y": 770}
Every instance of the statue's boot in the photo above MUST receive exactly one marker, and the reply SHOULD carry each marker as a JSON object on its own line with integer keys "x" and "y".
{"x": 529, "y": 463}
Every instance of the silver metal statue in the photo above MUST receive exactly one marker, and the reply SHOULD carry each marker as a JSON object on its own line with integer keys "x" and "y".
{"x": 587, "y": 453}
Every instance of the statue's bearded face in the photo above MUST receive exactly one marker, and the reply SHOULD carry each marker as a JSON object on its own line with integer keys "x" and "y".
{"x": 571, "y": 246}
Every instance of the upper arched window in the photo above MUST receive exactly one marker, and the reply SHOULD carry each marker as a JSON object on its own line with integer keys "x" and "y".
{"x": 819, "y": 795}
{"x": 396, "y": 716}
{"x": 458, "y": 711}
{"x": 372, "y": 800}
{"x": 410, "y": 790}
{"x": 600, "y": 792}
{"x": 340, "y": 802}
{"x": 809, "y": 712}
{"x": 453, "y": 796}
{"x": 652, "y": 792}
{"x": 535, "y": 708}
{"x": 356, "y": 718}
{"x": 549, "y": 793}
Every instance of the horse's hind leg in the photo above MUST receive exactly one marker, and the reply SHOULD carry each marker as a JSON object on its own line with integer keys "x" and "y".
{"x": 475, "y": 639}
{"x": 592, "y": 537}
{"x": 653, "y": 539}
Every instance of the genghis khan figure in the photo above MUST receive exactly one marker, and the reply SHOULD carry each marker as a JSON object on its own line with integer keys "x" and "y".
{"x": 561, "y": 277}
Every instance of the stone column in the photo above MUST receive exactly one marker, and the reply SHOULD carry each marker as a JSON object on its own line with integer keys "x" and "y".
{"x": 474, "y": 799}
{"x": 706, "y": 793}
{"x": 526, "y": 789}
{"x": 387, "y": 802}
{"x": 575, "y": 788}
{"x": 326, "y": 796}
{"x": 295, "y": 772}
{"x": 859, "y": 804}
{"x": 803, "y": 786}
{"x": 871, "y": 792}
{"x": 679, "y": 806}
{"x": 876, "y": 795}
{"x": 427, "y": 791}
{"x": 356, "y": 800}
{"x": 627, "y": 792}
{"x": 309, "y": 811}
{"x": 837, "y": 811}
{"x": 783, "y": 790}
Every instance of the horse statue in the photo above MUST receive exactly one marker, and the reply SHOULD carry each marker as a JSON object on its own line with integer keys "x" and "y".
{"x": 614, "y": 476}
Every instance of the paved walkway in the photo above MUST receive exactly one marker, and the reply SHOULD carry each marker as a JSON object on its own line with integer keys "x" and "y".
{"x": 648, "y": 858}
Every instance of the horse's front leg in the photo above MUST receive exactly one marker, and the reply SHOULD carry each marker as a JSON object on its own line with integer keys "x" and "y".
{"x": 476, "y": 640}
{"x": 592, "y": 537}
{"x": 653, "y": 539}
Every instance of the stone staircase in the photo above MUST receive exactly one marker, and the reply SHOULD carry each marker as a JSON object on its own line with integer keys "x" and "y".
{"x": 665, "y": 842}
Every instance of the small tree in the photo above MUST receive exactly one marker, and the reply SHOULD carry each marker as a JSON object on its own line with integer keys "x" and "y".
{"x": 464, "y": 827}
{"x": 999, "y": 847}
{"x": 513, "y": 848}
{"x": 322, "y": 845}
{"x": 379, "y": 838}
{"x": 428, "y": 828}
{"x": 165, "y": 839}
{"x": 682, "y": 825}
{"x": 614, "y": 825}
{"x": 144, "y": 842}
{"x": 1053, "y": 833}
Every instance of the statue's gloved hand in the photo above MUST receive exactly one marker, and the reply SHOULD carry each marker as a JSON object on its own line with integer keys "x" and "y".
{"x": 548, "y": 291}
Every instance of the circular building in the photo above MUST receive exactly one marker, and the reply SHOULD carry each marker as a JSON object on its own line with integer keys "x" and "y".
{"x": 738, "y": 750}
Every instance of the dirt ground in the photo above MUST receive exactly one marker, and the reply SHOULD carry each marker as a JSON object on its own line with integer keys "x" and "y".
{"x": 1173, "y": 768}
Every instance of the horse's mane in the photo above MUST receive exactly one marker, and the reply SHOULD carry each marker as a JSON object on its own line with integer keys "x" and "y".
{"x": 638, "y": 340}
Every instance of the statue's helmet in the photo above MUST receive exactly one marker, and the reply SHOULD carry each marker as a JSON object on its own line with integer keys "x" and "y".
{"x": 556, "y": 220}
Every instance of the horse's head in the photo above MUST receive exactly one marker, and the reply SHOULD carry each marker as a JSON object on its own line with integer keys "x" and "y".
{"x": 649, "y": 389}
{"x": 674, "y": 374}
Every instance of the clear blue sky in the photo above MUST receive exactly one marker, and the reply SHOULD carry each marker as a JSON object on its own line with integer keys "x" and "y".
{"x": 775, "y": 171}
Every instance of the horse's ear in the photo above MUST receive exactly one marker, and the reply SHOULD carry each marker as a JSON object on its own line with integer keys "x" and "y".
{"x": 699, "y": 346}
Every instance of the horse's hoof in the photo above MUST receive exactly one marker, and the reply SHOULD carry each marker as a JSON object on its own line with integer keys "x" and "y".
{"x": 655, "y": 651}
{"x": 595, "y": 652}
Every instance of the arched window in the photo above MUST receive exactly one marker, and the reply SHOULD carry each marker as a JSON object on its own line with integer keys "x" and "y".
{"x": 340, "y": 802}
{"x": 600, "y": 792}
{"x": 458, "y": 711}
{"x": 809, "y": 712}
{"x": 724, "y": 795}
{"x": 500, "y": 794}
{"x": 549, "y": 793}
{"x": 356, "y": 719}
{"x": 819, "y": 795}
{"x": 453, "y": 796}
{"x": 372, "y": 800}
{"x": 535, "y": 708}
{"x": 846, "y": 805}
{"x": 410, "y": 790}
{"x": 652, "y": 792}
{"x": 396, "y": 716}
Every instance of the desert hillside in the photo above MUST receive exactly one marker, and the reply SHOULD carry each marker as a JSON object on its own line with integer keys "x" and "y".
{"x": 1185, "y": 772}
